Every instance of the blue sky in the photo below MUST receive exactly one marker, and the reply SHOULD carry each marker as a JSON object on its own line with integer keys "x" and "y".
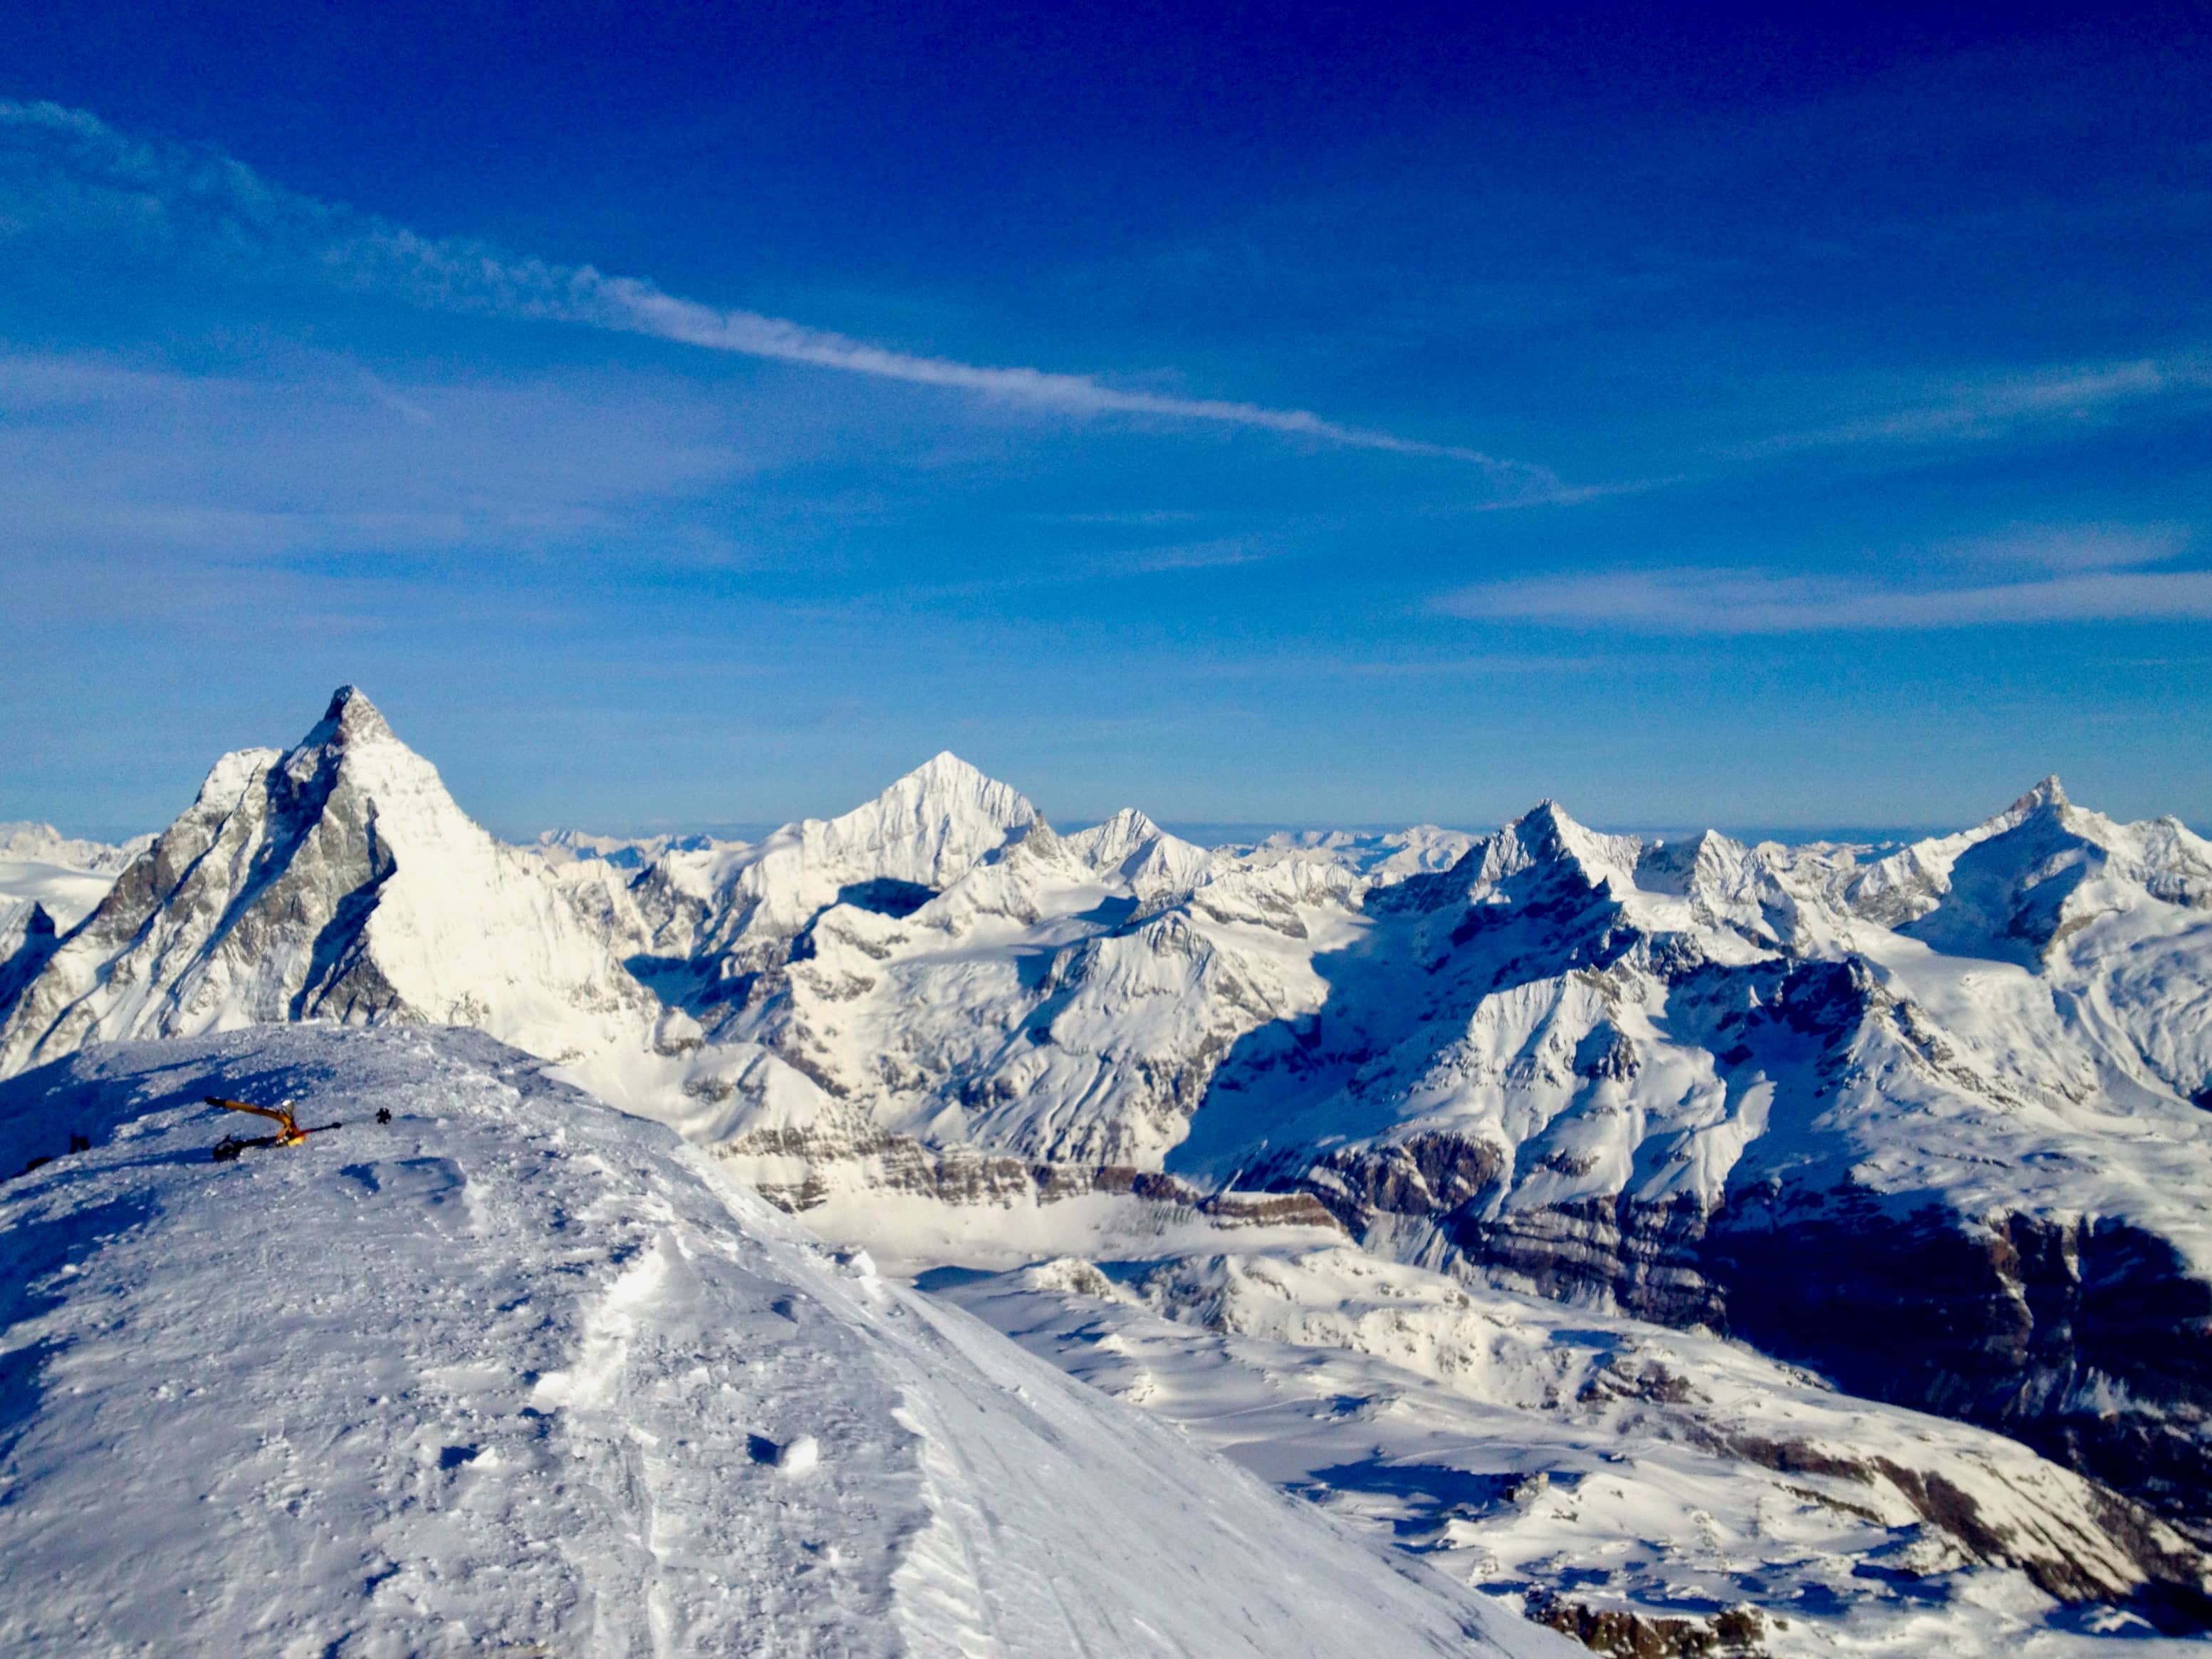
{"x": 699, "y": 415}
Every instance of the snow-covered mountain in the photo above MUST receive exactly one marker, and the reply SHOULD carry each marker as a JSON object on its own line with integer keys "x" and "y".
{"x": 1933, "y": 1122}
{"x": 25, "y": 843}
{"x": 513, "y": 1372}
{"x": 338, "y": 880}
{"x": 1711, "y": 1085}
{"x": 49, "y": 882}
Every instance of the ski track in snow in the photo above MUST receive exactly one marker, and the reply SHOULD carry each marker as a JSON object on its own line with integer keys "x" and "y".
{"x": 515, "y": 1374}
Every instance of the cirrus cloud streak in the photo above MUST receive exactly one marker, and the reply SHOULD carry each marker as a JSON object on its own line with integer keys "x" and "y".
{"x": 2073, "y": 586}
{"x": 67, "y": 167}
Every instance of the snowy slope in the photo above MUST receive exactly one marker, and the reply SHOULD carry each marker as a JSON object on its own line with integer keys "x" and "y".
{"x": 513, "y": 1373}
{"x": 42, "y": 869}
{"x": 1601, "y": 1469}
{"x": 22, "y": 842}
{"x": 49, "y": 882}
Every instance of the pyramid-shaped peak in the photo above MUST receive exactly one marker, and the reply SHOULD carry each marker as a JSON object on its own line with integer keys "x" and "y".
{"x": 2048, "y": 793}
{"x": 1546, "y": 818}
{"x": 1547, "y": 831}
{"x": 1116, "y": 838}
{"x": 1131, "y": 822}
{"x": 946, "y": 784}
{"x": 946, "y": 768}
{"x": 351, "y": 718}
{"x": 943, "y": 790}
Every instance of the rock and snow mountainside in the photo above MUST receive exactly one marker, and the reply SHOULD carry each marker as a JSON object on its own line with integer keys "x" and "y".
{"x": 1652, "y": 1491}
{"x": 1934, "y": 1122}
{"x": 334, "y": 880}
{"x": 1726, "y": 1084}
{"x": 48, "y": 883}
{"x": 517, "y": 1373}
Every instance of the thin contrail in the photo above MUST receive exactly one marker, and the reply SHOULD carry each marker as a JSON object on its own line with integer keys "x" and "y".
{"x": 64, "y": 164}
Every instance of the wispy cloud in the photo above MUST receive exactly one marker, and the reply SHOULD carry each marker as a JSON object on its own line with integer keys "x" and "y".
{"x": 1733, "y": 600}
{"x": 2072, "y": 547}
{"x": 1141, "y": 518}
{"x": 405, "y": 408}
{"x": 66, "y": 166}
{"x": 1997, "y": 405}
{"x": 314, "y": 456}
{"x": 1216, "y": 554}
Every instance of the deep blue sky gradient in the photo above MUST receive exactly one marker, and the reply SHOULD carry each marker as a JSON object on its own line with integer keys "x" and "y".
{"x": 1866, "y": 352}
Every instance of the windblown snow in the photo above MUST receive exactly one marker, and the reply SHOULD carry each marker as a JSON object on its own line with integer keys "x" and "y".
{"x": 516, "y": 1373}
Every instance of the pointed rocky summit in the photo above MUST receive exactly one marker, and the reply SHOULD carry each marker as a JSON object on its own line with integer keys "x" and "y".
{"x": 336, "y": 880}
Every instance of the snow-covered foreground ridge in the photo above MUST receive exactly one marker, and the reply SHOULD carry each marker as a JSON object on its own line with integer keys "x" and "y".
{"x": 513, "y": 1372}
{"x": 1935, "y": 1122}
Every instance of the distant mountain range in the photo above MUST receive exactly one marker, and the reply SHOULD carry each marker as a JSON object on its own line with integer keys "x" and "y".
{"x": 1935, "y": 1121}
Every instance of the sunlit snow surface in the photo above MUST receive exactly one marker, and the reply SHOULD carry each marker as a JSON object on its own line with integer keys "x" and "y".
{"x": 1542, "y": 1451}
{"x": 514, "y": 1373}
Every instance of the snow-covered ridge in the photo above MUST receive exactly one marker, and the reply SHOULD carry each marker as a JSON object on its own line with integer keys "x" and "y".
{"x": 563, "y": 847}
{"x": 513, "y": 1372}
{"x": 25, "y": 843}
{"x": 49, "y": 882}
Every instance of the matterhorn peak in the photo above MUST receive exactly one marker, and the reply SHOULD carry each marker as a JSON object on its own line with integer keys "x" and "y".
{"x": 338, "y": 880}
{"x": 350, "y": 719}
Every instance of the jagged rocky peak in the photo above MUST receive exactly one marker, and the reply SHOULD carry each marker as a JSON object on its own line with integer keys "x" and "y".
{"x": 2019, "y": 883}
{"x": 1689, "y": 865}
{"x": 350, "y": 719}
{"x": 1548, "y": 833}
{"x": 337, "y": 879}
